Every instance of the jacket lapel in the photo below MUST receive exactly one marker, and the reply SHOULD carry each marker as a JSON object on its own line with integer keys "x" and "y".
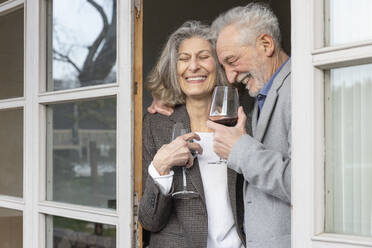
{"x": 265, "y": 114}
{"x": 269, "y": 105}
{"x": 254, "y": 118}
{"x": 180, "y": 115}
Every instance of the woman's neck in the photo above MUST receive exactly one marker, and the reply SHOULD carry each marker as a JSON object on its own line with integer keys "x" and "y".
{"x": 198, "y": 110}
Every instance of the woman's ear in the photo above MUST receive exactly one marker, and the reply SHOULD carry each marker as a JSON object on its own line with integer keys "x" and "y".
{"x": 266, "y": 43}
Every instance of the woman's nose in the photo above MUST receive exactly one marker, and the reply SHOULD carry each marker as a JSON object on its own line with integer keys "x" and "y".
{"x": 194, "y": 64}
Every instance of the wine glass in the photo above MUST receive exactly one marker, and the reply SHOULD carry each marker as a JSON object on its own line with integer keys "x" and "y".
{"x": 178, "y": 130}
{"x": 224, "y": 109}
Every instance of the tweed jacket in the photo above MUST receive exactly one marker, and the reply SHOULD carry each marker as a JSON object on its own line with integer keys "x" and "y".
{"x": 178, "y": 222}
{"x": 265, "y": 162}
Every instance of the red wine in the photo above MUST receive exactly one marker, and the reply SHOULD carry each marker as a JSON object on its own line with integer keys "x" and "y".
{"x": 227, "y": 121}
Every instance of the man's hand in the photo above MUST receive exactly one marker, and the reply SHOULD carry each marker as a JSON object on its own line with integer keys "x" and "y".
{"x": 225, "y": 137}
{"x": 157, "y": 106}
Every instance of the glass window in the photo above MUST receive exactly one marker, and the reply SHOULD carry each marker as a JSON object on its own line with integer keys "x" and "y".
{"x": 348, "y": 21}
{"x": 11, "y": 229}
{"x": 81, "y": 43}
{"x": 11, "y": 55}
{"x": 63, "y": 232}
{"x": 348, "y": 150}
{"x": 11, "y": 152}
{"x": 81, "y": 153}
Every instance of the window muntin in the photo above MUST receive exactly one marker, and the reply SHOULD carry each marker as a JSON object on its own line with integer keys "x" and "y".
{"x": 81, "y": 43}
{"x": 348, "y": 21}
{"x": 11, "y": 152}
{"x": 64, "y": 232}
{"x": 11, "y": 54}
{"x": 81, "y": 152}
{"x": 11, "y": 228}
{"x": 348, "y": 150}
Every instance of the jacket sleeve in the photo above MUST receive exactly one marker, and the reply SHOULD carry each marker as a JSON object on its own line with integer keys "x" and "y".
{"x": 155, "y": 208}
{"x": 267, "y": 170}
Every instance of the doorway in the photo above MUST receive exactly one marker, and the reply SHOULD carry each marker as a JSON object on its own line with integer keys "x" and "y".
{"x": 158, "y": 20}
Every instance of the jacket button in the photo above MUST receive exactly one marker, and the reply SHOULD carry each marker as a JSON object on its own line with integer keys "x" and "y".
{"x": 152, "y": 200}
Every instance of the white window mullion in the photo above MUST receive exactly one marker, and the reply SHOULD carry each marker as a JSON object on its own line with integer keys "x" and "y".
{"x": 78, "y": 94}
{"x": 12, "y": 103}
{"x": 105, "y": 216}
{"x": 31, "y": 120}
{"x": 125, "y": 125}
{"x": 348, "y": 55}
{"x": 11, "y": 6}
{"x": 12, "y": 203}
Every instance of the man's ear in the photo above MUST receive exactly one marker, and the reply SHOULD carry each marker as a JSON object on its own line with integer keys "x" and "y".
{"x": 266, "y": 43}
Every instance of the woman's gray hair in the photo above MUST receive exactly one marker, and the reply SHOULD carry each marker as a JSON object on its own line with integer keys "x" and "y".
{"x": 163, "y": 80}
{"x": 252, "y": 20}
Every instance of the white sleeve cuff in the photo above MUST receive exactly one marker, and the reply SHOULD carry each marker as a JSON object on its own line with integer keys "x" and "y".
{"x": 164, "y": 182}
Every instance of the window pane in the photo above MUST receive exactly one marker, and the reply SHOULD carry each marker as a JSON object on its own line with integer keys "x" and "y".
{"x": 82, "y": 43}
{"x": 11, "y": 55}
{"x": 81, "y": 153}
{"x": 11, "y": 152}
{"x": 348, "y": 21}
{"x": 63, "y": 232}
{"x": 11, "y": 233}
{"x": 348, "y": 150}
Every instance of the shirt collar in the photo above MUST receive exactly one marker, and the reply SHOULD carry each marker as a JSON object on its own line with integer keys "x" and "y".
{"x": 265, "y": 90}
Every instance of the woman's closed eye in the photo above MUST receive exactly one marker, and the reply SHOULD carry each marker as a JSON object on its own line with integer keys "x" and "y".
{"x": 204, "y": 56}
{"x": 183, "y": 58}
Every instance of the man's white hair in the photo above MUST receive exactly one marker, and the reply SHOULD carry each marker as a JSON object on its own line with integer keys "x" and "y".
{"x": 251, "y": 20}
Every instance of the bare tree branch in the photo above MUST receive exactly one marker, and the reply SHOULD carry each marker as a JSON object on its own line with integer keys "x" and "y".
{"x": 100, "y": 10}
{"x": 65, "y": 58}
{"x": 88, "y": 66}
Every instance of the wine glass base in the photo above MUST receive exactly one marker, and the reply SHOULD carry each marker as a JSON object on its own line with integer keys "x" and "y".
{"x": 185, "y": 194}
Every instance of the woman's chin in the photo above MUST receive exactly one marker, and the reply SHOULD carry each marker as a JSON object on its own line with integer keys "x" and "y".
{"x": 198, "y": 95}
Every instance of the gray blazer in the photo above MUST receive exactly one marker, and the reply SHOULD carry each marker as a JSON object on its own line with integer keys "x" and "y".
{"x": 265, "y": 162}
{"x": 178, "y": 222}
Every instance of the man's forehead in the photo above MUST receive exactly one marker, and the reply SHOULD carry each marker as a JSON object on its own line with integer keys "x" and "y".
{"x": 229, "y": 36}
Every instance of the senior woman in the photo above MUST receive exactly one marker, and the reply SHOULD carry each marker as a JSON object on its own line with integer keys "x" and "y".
{"x": 184, "y": 77}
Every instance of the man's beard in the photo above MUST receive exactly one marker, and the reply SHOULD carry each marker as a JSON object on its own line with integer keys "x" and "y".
{"x": 259, "y": 82}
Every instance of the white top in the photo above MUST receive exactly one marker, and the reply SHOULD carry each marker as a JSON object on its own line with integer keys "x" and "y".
{"x": 221, "y": 226}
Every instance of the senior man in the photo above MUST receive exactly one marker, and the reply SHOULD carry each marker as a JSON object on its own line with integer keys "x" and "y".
{"x": 248, "y": 47}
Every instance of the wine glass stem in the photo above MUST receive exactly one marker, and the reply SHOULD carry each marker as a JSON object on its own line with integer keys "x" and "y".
{"x": 184, "y": 178}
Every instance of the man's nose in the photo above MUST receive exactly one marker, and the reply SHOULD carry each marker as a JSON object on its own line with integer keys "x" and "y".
{"x": 231, "y": 75}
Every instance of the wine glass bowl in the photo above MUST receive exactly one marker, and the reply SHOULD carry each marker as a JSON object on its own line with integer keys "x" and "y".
{"x": 224, "y": 106}
{"x": 224, "y": 109}
{"x": 179, "y": 130}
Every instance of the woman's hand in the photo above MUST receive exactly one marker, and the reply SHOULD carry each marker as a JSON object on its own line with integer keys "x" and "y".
{"x": 177, "y": 153}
